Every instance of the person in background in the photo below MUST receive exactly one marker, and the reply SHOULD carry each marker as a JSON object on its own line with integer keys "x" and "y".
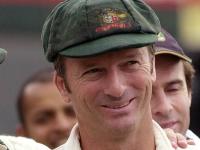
{"x": 17, "y": 143}
{"x": 172, "y": 91}
{"x": 104, "y": 60}
{"x": 44, "y": 116}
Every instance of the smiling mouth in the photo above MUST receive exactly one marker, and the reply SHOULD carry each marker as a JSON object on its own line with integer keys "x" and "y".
{"x": 118, "y": 106}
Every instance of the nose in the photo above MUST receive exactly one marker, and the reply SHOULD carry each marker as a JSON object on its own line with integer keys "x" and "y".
{"x": 115, "y": 85}
{"x": 160, "y": 104}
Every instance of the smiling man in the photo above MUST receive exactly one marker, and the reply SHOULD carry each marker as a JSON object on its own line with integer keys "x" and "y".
{"x": 104, "y": 60}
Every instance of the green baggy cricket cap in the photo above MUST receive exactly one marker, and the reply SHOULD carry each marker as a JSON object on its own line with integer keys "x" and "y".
{"x": 2, "y": 55}
{"x": 79, "y": 28}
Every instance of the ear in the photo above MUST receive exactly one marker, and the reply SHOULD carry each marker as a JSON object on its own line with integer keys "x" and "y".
{"x": 20, "y": 131}
{"x": 153, "y": 70}
{"x": 60, "y": 84}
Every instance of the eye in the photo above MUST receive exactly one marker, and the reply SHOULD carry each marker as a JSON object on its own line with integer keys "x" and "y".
{"x": 173, "y": 88}
{"x": 92, "y": 71}
{"x": 93, "y": 74}
{"x": 131, "y": 65}
{"x": 42, "y": 120}
{"x": 132, "y": 62}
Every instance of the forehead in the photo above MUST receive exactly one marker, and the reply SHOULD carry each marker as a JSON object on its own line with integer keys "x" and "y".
{"x": 169, "y": 67}
{"x": 167, "y": 60}
{"x": 38, "y": 95}
{"x": 40, "y": 89}
{"x": 114, "y": 55}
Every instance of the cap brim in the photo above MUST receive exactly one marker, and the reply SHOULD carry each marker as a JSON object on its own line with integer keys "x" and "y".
{"x": 160, "y": 51}
{"x": 109, "y": 43}
{"x": 2, "y": 55}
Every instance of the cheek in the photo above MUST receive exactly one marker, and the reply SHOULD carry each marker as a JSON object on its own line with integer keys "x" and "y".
{"x": 142, "y": 79}
{"x": 143, "y": 83}
{"x": 83, "y": 96}
{"x": 87, "y": 88}
{"x": 182, "y": 101}
{"x": 38, "y": 132}
{"x": 183, "y": 111}
{"x": 184, "y": 107}
{"x": 181, "y": 106}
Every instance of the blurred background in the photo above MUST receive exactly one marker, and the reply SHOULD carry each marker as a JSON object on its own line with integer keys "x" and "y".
{"x": 20, "y": 28}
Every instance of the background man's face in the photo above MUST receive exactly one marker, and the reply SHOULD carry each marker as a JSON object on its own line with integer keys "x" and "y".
{"x": 112, "y": 91}
{"x": 171, "y": 99}
{"x": 48, "y": 118}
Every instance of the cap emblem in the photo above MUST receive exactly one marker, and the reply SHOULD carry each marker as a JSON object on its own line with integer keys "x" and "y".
{"x": 112, "y": 19}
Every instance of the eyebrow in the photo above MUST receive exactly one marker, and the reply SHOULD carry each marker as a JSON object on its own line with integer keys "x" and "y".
{"x": 175, "y": 81}
{"x": 48, "y": 112}
{"x": 92, "y": 62}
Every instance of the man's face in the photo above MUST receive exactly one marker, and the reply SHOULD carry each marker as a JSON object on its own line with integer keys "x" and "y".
{"x": 110, "y": 92}
{"x": 48, "y": 119}
{"x": 171, "y": 99}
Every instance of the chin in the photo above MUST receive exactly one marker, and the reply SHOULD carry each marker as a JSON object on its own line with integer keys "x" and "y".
{"x": 122, "y": 125}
